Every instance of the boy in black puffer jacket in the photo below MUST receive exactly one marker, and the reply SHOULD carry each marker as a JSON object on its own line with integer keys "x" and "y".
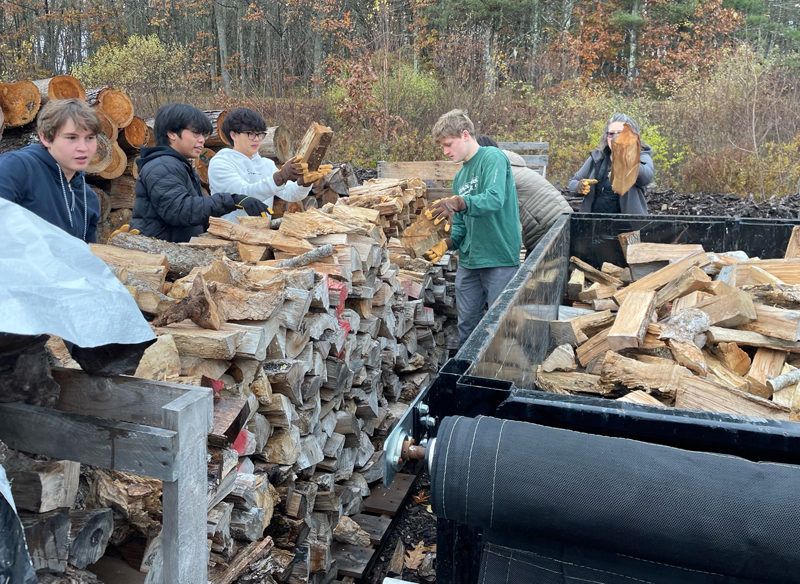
{"x": 170, "y": 203}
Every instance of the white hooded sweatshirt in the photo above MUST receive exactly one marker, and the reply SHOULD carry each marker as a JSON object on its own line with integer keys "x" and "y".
{"x": 230, "y": 171}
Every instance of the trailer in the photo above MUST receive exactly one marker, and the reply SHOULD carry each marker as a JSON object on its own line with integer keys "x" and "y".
{"x": 531, "y": 486}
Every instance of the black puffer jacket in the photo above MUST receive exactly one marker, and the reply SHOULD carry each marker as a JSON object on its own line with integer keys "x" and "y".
{"x": 170, "y": 203}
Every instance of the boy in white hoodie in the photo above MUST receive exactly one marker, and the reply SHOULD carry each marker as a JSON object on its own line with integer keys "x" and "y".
{"x": 242, "y": 170}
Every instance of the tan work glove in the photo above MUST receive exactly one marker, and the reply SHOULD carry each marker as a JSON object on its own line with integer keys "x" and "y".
{"x": 446, "y": 208}
{"x": 308, "y": 178}
{"x": 292, "y": 169}
{"x": 429, "y": 216}
{"x": 586, "y": 185}
{"x": 435, "y": 253}
{"x": 123, "y": 229}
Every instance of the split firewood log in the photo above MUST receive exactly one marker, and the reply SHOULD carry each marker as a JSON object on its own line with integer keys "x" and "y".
{"x": 314, "y": 145}
{"x": 625, "y": 151}
{"x": 198, "y": 306}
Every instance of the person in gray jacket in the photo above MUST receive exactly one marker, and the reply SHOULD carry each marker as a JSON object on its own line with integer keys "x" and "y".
{"x": 540, "y": 203}
{"x": 593, "y": 178}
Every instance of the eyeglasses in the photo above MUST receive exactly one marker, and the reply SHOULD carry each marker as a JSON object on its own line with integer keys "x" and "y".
{"x": 255, "y": 135}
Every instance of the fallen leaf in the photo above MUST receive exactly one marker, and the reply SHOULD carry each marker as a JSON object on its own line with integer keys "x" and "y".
{"x": 415, "y": 556}
{"x": 421, "y": 498}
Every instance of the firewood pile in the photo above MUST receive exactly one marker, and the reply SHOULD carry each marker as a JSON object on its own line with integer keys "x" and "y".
{"x": 683, "y": 327}
{"x": 314, "y": 339}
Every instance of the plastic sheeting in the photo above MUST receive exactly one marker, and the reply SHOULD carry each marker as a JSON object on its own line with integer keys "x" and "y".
{"x": 51, "y": 283}
{"x": 556, "y": 505}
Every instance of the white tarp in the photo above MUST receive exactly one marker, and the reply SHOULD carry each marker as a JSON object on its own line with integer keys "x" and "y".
{"x": 51, "y": 283}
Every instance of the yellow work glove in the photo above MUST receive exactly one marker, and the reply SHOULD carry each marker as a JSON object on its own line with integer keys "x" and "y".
{"x": 123, "y": 229}
{"x": 310, "y": 177}
{"x": 435, "y": 253}
{"x": 586, "y": 185}
{"x": 429, "y": 217}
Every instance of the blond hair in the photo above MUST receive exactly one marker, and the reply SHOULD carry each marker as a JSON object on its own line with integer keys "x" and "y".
{"x": 56, "y": 112}
{"x": 452, "y": 124}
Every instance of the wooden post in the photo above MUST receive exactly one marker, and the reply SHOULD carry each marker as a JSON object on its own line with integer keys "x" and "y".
{"x": 183, "y": 540}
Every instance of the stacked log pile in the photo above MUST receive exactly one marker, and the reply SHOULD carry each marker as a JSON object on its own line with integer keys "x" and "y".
{"x": 682, "y": 327}
{"x": 310, "y": 343}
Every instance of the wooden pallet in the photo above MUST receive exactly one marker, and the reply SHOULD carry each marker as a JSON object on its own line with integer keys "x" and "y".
{"x": 381, "y": 511}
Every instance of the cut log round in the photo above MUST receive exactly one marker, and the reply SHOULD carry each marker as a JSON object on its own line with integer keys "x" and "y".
{"x": 102, "y": 157}
{"x": 201, "y": 164}
{"x": 60, "y": 87}
{"x": 118, "y": 163}
{"x": 216, "y": 118}
{"x": 113, "y": 102}
{"x": 133, "y": 136}
{"x": 277, "y": 144}
{"x": 20, "y": 102}
{"x": 108, "y": 126}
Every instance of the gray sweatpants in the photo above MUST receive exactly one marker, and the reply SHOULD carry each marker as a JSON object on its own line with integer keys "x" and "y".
{"x": 473, "y": 289}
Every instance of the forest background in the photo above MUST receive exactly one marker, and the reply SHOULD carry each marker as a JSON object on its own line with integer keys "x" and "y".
{"x": 713, "y": 84}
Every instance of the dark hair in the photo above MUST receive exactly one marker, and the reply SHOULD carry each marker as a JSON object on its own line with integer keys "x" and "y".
{"x": 242, "y": 119}
{"x": 485, "y": 140}
{"x": 176, "y": 117}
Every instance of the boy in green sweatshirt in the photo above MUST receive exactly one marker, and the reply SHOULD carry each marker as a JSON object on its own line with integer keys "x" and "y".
{"x": 484, "y": 216}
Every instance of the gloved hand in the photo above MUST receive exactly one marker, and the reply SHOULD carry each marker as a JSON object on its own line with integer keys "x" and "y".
{"x": 435, "y": 253}
{"x": 292, "y": 169}
{"x": 310, "y": 177}
{"x": 251, "y": 206}
{"x": 586, "y": 185}
{"x": 447, "y": 208}
{"x": 123, "y": 229}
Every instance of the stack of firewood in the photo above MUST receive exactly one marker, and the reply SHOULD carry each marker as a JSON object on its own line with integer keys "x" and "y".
{"x": 682, "y": 327}
{"x": 311, "y": 334}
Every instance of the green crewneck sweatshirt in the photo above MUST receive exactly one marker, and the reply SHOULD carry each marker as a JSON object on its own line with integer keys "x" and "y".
{"x": 487, "y": 232}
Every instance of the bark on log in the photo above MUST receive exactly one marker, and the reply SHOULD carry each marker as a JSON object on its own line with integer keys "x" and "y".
{"x": 20, "y": 102}
{"x": 18, "y": 138}
{"x": 277, "y": 144}
{"x": 115, "y": 103}
{"x": 216, "y": 117}
{"x": 181, "y": 258}
{"x": 308, "y": 257}
{"x": 89, "y": 533}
